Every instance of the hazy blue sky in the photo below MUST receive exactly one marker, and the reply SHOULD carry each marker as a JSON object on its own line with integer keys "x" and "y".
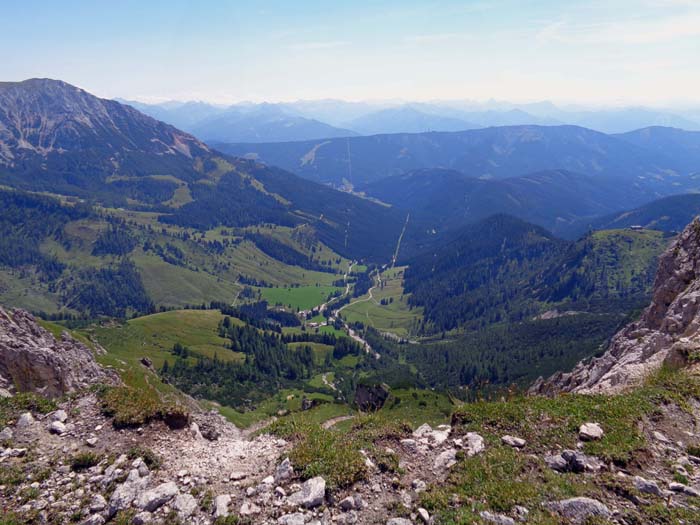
{"x": 597, "y": 51}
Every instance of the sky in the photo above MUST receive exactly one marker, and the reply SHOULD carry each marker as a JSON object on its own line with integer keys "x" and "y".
{"x": 614, "y": 52}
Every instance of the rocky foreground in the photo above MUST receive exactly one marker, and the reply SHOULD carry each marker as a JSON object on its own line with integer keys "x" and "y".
{"x": 71, "y": 465}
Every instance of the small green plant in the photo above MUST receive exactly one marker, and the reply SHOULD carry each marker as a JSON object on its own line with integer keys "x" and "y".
{"x": 84, "y": 461}
{"x": 124, "y": 517}
{"x": 231, "y": 519}
{"x": 11, "y": 475}
{"x": 693, "y": 450}
{"x": 152, "y": 460}
{"x": 680, "y": 478}
{"x": 207, "y": 501}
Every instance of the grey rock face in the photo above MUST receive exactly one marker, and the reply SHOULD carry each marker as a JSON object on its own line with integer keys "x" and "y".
{"x": 6, "y": 434}
{"x": 684, "y": 489}
{"x": 184, "y": 505}
{"x": 32, "y": 359}
{"x": 445, "y": 460}
{"x": 124, "y": 495}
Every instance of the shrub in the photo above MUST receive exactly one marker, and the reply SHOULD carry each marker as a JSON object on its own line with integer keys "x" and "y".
{"x": 83, "y": 461}
{"x": 131, "y": 407}
{"x": 150, "y": 458}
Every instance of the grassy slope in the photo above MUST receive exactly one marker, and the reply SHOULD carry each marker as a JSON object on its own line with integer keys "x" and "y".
{"x": 395, "y": 317}
{"x": 303, "y": 297}
{"x": 624, "y": 254}
{"x": 203, "y": 275}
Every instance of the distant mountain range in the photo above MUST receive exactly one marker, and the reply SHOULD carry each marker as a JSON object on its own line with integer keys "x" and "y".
{"x": 554, "y": 199}
{"x": 670, "y": 214}
{"x": 489, "y": 153}
{"x": 305, "y": 120}
{"x": 245, "y": 123}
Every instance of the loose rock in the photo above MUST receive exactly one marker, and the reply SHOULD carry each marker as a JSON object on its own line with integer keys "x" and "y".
{"x": 590, "y": 432}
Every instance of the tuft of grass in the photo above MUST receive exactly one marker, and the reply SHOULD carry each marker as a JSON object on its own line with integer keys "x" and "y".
{"x": 334, "y": 456}
{"x": 337, "y": 455}
{"x": 11, "y": 475}
{"x": 501, "y": 477}
{"x": 83, "y": 461}
{"x": 12, "y": 407}
{"x": 132, "y": 407}
{"x": 152, "y": 460}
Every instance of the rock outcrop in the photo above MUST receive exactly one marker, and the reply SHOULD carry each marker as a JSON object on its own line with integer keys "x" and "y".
{"x": 667, "y": 332}
{"x": 32, "y": 359}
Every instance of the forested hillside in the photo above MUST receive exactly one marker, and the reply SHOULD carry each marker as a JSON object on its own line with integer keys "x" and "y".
{"x": 505, "y": 270}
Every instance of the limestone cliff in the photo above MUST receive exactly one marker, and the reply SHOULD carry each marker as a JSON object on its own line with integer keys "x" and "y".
{"x": 667, "y": 332}
{"x": 32, "y": 359}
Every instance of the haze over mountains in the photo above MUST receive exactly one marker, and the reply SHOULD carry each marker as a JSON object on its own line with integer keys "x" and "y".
{"x": 302, "y": 120}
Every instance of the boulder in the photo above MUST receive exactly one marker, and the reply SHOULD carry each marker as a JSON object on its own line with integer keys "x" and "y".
{"x": 296, "y": 518}
{"x": 58, "y": 428}
{"x": 98, "y": 503}
{"x": 249, "y": 509}
{"x": 399, "y": 521}
{"x": 284, "y": 471}
{"x": 573, "y": 461}
{"x": 684, "y": 489}
{"x": 95, "y": 519}
{"x": 444, "y": 461}
{"x": 513, "y": 441}
{"x": 6, "y": 434}
{"x": 142, "y": 518}
{"x": 646, "y": 486}
{"x": 157, "y": 497}
{"x": 578, "y": 510}
{"x": 125, "y": 493}
{"x": 590, "y": 432}
{"x": 25, "y": 420}
{"x": 498, "y": 519}
{"x": 59, "y": 415}
{"x": 423, "y": 515}
{"x": 312, "y": 493}
{"x": 352, "y": 502}
{"x": 474, "y": 444}
{"x": 221, "y": 504}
